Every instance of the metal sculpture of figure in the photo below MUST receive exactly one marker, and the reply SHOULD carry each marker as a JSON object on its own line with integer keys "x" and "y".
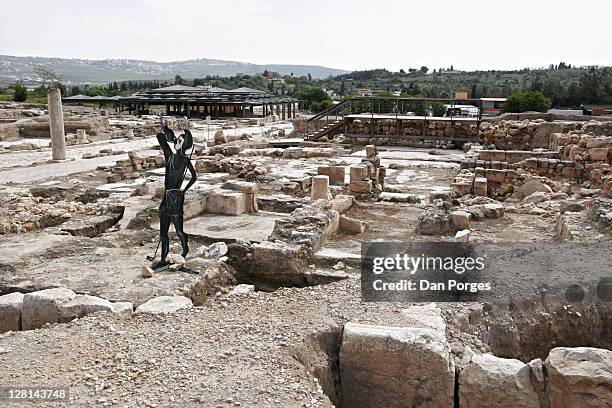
{"x": 171, "y": 208}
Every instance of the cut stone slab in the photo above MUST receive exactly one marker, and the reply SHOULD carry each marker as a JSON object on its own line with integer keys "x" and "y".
{"x": 277, "y": 261}
{"x": 43, "y": 307}
{"x": 579, "y": 377}
{"x": 371, "y": 150}
{"x": 92, "y": 226}
{"x": 226, "y": 202}
{"x": 10, "y": 312}
{"x": 164, "y": 305}
{"x": 238, "y": 185}
{"x": 83, "y": 305}
{"x": 336, "y": 174}
{"x": 351, "y": 225}
{"x": 330, "y": 256}
{"x": 320, "y": 188}
{"x": 490, "y": 381}
{"x": 399, "y": 197}
{"x": 395, "y": 367}
{"x": 213, "y": 227}
{"x": 342, "y": 203}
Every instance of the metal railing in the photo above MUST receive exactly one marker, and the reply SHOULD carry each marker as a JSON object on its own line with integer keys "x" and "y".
{"x": 389, "y": 105}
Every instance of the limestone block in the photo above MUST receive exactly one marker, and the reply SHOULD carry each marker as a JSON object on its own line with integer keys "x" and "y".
{"x": 395, "y": 367}
{"x": 598, "y": 154}
{"x": 164, "y": 305}
{"x": 10, "y": 312}
{"x": 359, "y": 173}
{"x": 462, "y": 187}
{"x": 480, "y": 186}
{"x": 461, "y": 219}
{"x": 399, "y": 197}
{"x": 336, "y": 174}
{"x": 277, "y": 260}
{"x": 43, "y": 307}
{"x": 294, "y": 153}
{"x": 351, "y": 225}
{"x": 83, "y": 305}
{"x": 579, "y": 377}
{"x": 320, "y": 188}
{"x": 361, "y": 187}
{"x": 490, "y": 381}
{"x": 342, "y": 203}
{"x": 220, "y": 137}
{"x": 493, "y": 210}
{"x": 226, "y": 202}
{"x": 371, "y": 151}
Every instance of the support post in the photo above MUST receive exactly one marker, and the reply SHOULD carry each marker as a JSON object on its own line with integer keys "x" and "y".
{"x": 56, "y": 124}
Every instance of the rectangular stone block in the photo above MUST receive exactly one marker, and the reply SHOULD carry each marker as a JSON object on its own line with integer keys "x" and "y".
{"x": 336, "y": 174}
{"x": 351, "y": 225}
{"x": 489, "y": 155}
{"x": 496, "y": 176}
{"x": 226, "y": 202}
{"x": 480, "y": 186}
{"x": 395, "y": 367}
{"x": 276, "y": 260}
{"x": 462, "y": 188}
{"x": 237, "y": 185}
{"x": 43, "y": 307}
{"x": 361, "y": 187}
{"x": 598, "y": 154}
{"x": 359, "y": 173}
{"x": 10, "y": 312}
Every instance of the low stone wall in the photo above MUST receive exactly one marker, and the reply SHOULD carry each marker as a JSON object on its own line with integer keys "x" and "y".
{"x": 285, "y": 258}
{"x": 133, "y": 166}
{"x": 413, "y": 133}
{"x": 523, "y": 135}
{"x": 538, "y": 133}
{"x": 299, "y": 126}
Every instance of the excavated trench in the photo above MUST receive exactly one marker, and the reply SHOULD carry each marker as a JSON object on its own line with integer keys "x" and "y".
{"x": 523, "y": 331}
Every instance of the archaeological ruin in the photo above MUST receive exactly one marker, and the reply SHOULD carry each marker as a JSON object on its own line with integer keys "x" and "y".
{"x": 272, "y": 307}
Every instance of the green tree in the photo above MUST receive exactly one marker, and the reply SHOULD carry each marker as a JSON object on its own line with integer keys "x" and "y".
{"x": 20, "y": 93}
{"x": 313, "y": 95}
{"x": 438, "y": 109}
{"x": 527, "y": 101}
{"x": 178, "y": 80}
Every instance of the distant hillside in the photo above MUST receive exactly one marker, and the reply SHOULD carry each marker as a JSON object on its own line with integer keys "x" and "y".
{"x": 78, "y": 71}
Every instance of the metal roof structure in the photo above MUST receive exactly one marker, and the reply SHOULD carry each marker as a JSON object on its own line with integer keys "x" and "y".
{"x": 176, "y": 88}
{"x": 177, "y": 94}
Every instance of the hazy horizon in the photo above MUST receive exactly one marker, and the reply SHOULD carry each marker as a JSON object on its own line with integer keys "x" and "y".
{"x": 348, "y": 35}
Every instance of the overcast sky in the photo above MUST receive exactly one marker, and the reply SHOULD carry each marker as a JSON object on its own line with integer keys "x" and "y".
{"x": 357, "y": 34}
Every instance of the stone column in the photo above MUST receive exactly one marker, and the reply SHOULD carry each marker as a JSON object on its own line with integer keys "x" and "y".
{"x": 320, "y": 188}
{"x": 56, "y": 124}
{"x": 283, "y": 110}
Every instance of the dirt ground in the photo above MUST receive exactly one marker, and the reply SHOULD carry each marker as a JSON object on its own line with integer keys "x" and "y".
{"x": 247, "y": 350}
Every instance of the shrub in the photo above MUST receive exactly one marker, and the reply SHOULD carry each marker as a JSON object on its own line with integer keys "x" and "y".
{"x": 20, "y": 93}
{"x": 527, "y": 101}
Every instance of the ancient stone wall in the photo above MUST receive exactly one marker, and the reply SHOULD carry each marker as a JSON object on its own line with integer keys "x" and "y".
{"x": 388, "y": 132}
